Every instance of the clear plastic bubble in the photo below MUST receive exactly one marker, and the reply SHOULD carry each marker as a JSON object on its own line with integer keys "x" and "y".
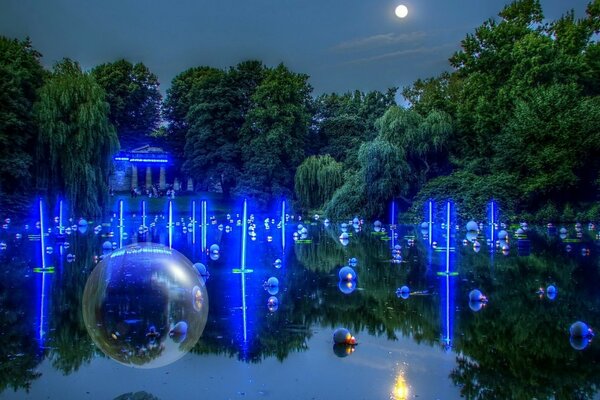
{"x": 145, "y": 305}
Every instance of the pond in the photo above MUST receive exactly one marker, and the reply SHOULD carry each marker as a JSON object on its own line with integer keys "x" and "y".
{"x": 427, "y": 341}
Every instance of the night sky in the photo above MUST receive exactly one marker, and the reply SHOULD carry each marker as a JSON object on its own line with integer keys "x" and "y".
{"x": 342, "y": 45}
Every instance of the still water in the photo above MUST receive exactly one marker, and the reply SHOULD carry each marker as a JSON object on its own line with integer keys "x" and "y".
{"x": 429, "y": 343}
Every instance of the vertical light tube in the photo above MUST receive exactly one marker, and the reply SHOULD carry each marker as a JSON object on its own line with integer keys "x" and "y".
{"x": 204, "y": 226}
{"x": 493, "y": 222}
{"x": 430, "y": 222}
{"x": 283, "y": 225}
{"x": 120, "y": 223}
{"x": 60, "y": 217}
{"x": 244, "y": 234}
{"x": 194, "y": 222}
{"x": 170, "y": 224}
{"x": 448, "y": 237}
{"x": 144, "y": 212}
{"x": 43, "y": 246}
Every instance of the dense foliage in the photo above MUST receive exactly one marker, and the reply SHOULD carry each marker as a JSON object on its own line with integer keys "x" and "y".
{"x": 134, "y": 99}
{"x": 76, "y": 141}
{"x": 515, "y": 119}
{"x": 21, "y": 75}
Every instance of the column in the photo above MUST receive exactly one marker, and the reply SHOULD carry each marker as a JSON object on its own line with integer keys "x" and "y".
{"x": 162, "y": 180}
{"x": 148, "y": 177}
{"x": 190, "y": 185}
{"x": 134, "y": 176}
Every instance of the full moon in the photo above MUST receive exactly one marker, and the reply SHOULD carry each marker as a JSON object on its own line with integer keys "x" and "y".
{"x": 401, "y": 11}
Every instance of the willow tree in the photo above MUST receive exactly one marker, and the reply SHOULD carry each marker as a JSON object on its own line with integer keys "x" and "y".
{"x": 317, "y": 178}
{"x": 76, "y": 141}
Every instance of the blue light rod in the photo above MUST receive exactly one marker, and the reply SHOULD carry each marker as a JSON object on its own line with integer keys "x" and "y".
{"x": 493, "y": 222}
{"x": 204, "y": 226}
{"x": 448, "y": 237}
{"x": 194, "y": 222}
{"x": 283, "y": 225}
{"x": 170, "y": 224}
{"x": 120, "y": 223}
{"x": 430, "y": 222}
{"x": 244, "y": 234}
{"x": 43, "y": 249}
{"x": 243, "y": 267}
{"x": 393, "y": 212}
{"x": 143, "y": 212}
{"x": 60, "y": 217}
{"x": 43, "y": 246}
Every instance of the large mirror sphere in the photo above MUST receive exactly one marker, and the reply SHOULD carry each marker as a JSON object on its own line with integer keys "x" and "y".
{"x": 145, "y": 305}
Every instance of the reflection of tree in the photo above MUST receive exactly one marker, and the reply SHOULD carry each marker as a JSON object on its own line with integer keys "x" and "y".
{"x": 19, "y": 351}
{"x": 519, "y": 346}
{"x": 136, "y": 396}
{"x": 71, "y": 344}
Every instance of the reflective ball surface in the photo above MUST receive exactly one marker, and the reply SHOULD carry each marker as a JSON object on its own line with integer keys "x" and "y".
{"x": 145, "y": 305}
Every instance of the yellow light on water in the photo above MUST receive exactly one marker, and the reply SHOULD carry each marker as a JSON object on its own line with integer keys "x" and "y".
{"x": 400, "y": 388}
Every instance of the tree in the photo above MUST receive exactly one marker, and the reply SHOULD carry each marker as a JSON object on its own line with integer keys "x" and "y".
{"x": 21, "y": 75}
{"x": 423, "y": 141}
{"x": 76, "y": 140}
{"x": 177, "y": 105}
{"x": 274, "y": 135}
{"x": 212, "y": 151}
{"x": 317, "y": 178}
{"x": 134, "y": 99}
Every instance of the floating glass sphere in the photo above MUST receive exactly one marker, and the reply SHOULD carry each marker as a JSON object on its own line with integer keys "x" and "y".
{"x": 346, "y": 287}
{"x": 145, "y": 305}
{"x": 347, "y": 274}
{"x": 472, "y": 226}
{"x": 272, "y": 304}
{"x": 277, "y": 263}
{"x": 476, "y": 295}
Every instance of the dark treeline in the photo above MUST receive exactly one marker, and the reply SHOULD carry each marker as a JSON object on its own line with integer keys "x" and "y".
{"x": 515, "y": 119}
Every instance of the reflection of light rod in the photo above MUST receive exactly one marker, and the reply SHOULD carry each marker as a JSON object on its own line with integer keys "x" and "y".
{"x": 393, "y": 212}
{"x": 448, "y": 309}
{"x": 194, "y": 222}
{"x": 42, "y": 303}
{"x": 170, "y": 224}
{"x": 283, "y": 225}
{"x": 120, "y": 223}
{"x": 244, "y": 304}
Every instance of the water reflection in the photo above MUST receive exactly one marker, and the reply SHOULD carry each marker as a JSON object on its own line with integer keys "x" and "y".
{"x": 498, "y": 355}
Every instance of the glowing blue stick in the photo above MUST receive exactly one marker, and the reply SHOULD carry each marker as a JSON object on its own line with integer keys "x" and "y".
{"x": 448, "y": 238}
{"x": 283, "y": 225}
{"x": 194, "y": 222}
{"x": 430, "y": 222}
{"x": 43, "y": 246}
{"x": 170, "y": 224}
{"x": 244, "y": 233}
{"x": 60, "y": 217}
{"x": 493, "y": 221}
{"x": 244, "y": 305}
{"x": 143, "y": 212}
{"x": 120, "y": 223}
{"x": 204, "y": 226}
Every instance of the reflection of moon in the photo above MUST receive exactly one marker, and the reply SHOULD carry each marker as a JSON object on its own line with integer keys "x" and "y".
{"x": 401, "y": 11}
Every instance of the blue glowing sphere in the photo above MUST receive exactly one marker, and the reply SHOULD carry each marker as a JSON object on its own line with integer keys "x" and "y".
{"x": 347, "y": 274}
{"x": 472, "y": 226}
{"x": 202, "y": 270}
{"x": 346, "y": 287}
{"x": 424, "y": 225}
{"x": 475, "y": 305}
{"x": 551, "y": 292}
{"x": 580, "y": 329}
{"x": 502, "y": 235}
{"x": 145, "y": 305}
{"x": 476, "y": 295}
{"x": 272, "y": 304}
{"x": 272, "y": 282}
{"x": 343, "y": 236}
{"x": 214, "y": 248}
{"x": 403, "y": 292}
{"x": 353, "y": 262}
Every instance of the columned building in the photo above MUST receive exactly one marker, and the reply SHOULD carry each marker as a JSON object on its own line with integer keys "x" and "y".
{"x": 144, "y": 168}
